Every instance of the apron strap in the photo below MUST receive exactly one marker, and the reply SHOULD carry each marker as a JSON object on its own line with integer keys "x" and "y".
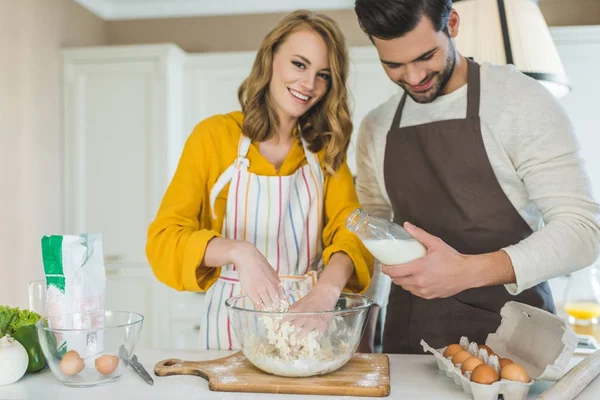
{"x": 473, "y": 89}
{"x": 309, "y": 279}
{"x": 312, "y": 159}
{"x": 241, "y": 163}
{"x": 243, "y": 146}
{"x": 398, "y": 115}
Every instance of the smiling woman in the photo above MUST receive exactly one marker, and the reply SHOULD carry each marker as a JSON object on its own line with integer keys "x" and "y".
{"x": 306, "y": 57}
{"x": 259, "y": 199}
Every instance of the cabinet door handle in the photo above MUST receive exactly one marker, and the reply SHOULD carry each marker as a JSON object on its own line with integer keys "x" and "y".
{"x": 197, "y": 327}
{"x": 115, "y": 272}
{"x": 114, "y": 258}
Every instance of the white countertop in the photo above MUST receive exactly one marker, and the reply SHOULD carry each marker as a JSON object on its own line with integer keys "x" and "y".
{"x": 412, "y": 377}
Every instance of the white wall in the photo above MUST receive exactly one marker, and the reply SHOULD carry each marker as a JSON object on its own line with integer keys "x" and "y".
{"x": 33, "y": 31}
{"x": 579, "y": 49}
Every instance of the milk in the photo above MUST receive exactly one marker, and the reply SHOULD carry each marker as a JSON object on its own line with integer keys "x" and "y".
{"x": 393, "y": 252}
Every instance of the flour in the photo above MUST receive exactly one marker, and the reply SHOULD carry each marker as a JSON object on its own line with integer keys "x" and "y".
{"x": 295, "y": 368}
{"x": 283, "y": 306}
{"x": 283, "y": 352}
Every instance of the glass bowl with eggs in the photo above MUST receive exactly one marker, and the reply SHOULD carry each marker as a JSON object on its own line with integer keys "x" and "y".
{"x": 299, "y": 344}
{"x": 88, "y": 349}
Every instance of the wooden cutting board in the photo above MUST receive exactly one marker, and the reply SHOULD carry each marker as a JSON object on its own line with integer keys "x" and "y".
{"x": 365, "y": 375}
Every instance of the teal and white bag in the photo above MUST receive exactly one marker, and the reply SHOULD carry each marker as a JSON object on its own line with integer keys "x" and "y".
{"x": 76, "y": 286}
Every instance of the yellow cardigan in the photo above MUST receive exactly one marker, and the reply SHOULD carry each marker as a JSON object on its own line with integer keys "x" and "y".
{"x": 183, "y": 226}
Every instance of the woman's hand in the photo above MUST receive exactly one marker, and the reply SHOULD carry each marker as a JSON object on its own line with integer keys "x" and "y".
{"x": 257, "y": 277}
{"x": 323, "y": 297}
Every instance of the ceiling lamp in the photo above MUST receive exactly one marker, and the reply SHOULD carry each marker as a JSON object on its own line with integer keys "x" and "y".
{"x": 511, "y": 32}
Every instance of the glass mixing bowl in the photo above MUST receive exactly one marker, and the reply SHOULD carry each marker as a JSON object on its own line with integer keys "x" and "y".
{"x": 277, "y": 343}
{"x": 103, "y": 342}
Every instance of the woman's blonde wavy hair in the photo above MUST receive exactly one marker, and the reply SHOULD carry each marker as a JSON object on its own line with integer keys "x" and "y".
{"x": 327, "y": 125}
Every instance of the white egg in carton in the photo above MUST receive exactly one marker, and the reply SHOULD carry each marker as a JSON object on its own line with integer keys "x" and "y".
{"x": 537, "y": 340}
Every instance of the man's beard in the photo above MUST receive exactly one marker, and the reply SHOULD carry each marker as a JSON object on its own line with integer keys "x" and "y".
{"x": 440, "y": 80}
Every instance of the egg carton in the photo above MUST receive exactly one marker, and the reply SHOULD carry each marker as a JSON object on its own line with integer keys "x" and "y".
{"x": 537, "y": 340}
{"x": 511, "y": 390}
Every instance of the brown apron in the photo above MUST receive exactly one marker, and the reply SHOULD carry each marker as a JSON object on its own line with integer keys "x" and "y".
{"x": 438, "y": 177}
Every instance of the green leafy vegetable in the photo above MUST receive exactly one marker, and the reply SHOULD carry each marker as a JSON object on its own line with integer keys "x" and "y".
{"x": 7, "y": 315}
{"x": 11, "y": 319}
{"x": 25, "y": 318}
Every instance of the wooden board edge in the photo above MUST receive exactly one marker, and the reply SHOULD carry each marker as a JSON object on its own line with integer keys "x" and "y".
{"x": 378, "y": 391}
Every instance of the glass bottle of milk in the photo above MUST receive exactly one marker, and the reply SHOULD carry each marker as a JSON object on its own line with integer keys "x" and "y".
{"x": 390, "y": 243}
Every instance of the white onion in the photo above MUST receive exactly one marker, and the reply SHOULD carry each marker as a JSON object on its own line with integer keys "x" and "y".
{"x": 13, "y": 360}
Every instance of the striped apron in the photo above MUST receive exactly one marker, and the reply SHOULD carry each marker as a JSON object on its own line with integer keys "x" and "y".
{"x": 282, "y": 217}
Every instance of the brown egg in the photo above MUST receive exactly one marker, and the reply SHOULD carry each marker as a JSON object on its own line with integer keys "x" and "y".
{"x": 461, "y": 357}
{"x": 71, "y": 364}
{"x": 514, "y": 372}
{"x": 483, "y": 346}
{"x": 452, "y": 350}
{"x": 470, "y": 364}
{"x": 484, "y": 374}
{"x": 106, "y": 364}
{"x": 505, "y": 361}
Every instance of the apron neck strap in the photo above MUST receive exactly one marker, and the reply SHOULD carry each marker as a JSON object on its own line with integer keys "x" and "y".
{"x": 311, "y": 158}
{"x": 473, "y": 89}
{"x": 398, "y": 115}
{"x": 240, "y": 163}
{"x": 243, "y": 146}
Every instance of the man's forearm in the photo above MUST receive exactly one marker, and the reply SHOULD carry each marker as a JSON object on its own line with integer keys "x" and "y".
{"x": 490, "y": 269}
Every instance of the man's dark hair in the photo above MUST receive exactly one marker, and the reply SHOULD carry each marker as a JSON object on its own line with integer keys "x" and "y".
{"x": 389, "y": 19}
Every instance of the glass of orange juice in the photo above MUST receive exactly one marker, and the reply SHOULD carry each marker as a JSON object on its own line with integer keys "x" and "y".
{"x": 582, "y": 297}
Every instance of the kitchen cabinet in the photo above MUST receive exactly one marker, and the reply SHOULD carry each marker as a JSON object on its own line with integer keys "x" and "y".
{"x": 122, "y": 141}
{"x": 133, "y": 289}
{"x": 121, "y": 137}
{"x": 211, "y": 84}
